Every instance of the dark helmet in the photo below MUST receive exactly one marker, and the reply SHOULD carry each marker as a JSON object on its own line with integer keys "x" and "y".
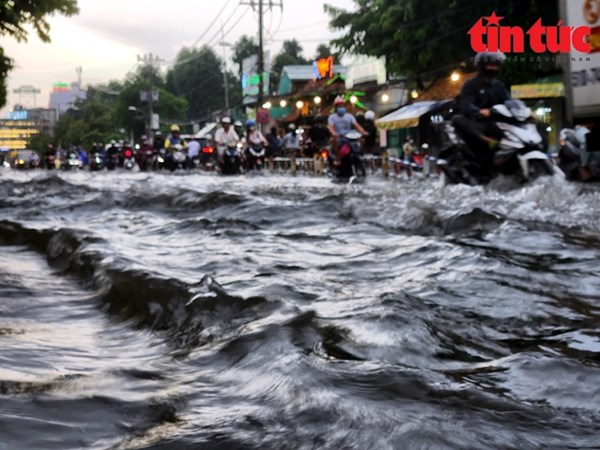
{"x": 488, "y": 63}
{"x": 320, "y": 119}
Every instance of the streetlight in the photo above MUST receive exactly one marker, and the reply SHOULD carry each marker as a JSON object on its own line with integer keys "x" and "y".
{"x": 317, "y": 100}
{"x": 299, "y": 104}
{"x": 267, "y": 105}
{"x": 353, "y": 99}
{"x": 283, "y": 103}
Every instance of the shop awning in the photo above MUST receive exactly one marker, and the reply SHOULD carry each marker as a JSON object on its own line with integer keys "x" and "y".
{"x": 408, "y": 116}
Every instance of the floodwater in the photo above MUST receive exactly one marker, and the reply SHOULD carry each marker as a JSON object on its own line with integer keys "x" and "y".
{"x": 166, "y": 311}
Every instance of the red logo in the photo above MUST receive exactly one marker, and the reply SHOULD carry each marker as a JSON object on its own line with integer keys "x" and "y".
{"x": 494, "y": 37}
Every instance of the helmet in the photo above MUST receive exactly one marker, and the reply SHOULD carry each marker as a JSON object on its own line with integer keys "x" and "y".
{"x": 425, "y": 146}
{"x": 174, "y": 128}
{"x": 369, "y": 115}
{"x": 226, "y": 120}
{"x": 158, "y": 133}
{"x": 291, "y": 127}
{"x": 339, "y": 100}
{"x": 320, "y": 119}
{"x": 250, "y": 123}
{"x": 484, "y": 60}
{"x": 237, "y": 123}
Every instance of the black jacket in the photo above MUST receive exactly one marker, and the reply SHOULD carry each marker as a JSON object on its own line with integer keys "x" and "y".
{"x": 477, "y": 94}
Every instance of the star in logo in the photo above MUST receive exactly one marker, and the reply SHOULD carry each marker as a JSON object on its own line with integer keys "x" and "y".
{"x": 493, "y": 19}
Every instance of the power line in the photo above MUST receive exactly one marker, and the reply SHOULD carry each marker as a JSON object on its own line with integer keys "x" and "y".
{"x": 212, "y": 23}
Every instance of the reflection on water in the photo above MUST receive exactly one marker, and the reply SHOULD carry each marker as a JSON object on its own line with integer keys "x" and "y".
{"x": 164, "y": 311}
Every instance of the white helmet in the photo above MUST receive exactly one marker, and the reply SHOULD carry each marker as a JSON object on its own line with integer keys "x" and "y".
{"x": 369, "y": 115}
{"x": 226, "y": 120}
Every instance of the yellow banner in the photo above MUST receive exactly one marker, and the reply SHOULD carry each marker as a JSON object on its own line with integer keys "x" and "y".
{"x": 544, "y": 90}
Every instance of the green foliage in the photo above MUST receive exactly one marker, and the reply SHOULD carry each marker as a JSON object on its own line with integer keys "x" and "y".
{"x": 423, "y": 39}
{"x": 39, "y": 142}
{"x": 15, "y": 15}
{"x": 290, "y": 54}
{"x": 244, "y": 47}
{"x": 197, "y": 77}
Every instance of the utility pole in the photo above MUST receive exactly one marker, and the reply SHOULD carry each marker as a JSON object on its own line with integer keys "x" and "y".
{"x": 225, "y": 82}
{"x": 261, "y": 60}
{"x": 150, "y": 60}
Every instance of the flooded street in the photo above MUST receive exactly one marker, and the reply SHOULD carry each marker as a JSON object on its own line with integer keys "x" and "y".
{"x": 157, "y": 311}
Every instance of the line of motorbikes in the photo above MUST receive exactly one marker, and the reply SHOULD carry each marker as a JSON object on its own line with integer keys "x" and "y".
{"x": 521, "y": 153}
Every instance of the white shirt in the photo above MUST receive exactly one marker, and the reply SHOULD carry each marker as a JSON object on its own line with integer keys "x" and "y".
{"x": 193, "y": 149}
{"x": 224, "y": 138}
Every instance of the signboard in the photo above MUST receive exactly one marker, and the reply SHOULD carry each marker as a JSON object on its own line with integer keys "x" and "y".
{"x": 250, "y": 79}
{"x": 323, "y": 68}
{"x": 262, "y": 116}
{"x": 144, "y": 96}
{"x": 60, "y": 87}
{"x": 365, "y": 69}
{"x": 543, "y": 90}
{"x": 585, "y": 67}
{"x": 155, "y": 124}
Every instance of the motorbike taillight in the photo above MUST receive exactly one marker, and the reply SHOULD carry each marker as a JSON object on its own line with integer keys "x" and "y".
{"x": 208, "y": 150}
{"x": 128, "y": 153}
{"x": 324, "y": 154}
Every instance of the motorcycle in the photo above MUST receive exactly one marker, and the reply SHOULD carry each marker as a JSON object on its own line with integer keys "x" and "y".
{"x": 178, "y": 158}
{"x": 232, "y": 162}
{"x": 256, "y": 157}
{"x": 147, "y": 159}
{"x": 128, "y": 158}
{"x": 112, "y": 156}
{"x": 569, "y": 156}
{"x": 521, "y": 152}
{"x": 73, "y": 162}
{"x": 160, "y": 162}
{"x": 96, "y": 162}
{"x": 206, "y": 159}
{"x": 351, "y": 167}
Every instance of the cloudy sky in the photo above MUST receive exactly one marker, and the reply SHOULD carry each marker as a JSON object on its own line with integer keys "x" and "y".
{"x": 107, "y": 36}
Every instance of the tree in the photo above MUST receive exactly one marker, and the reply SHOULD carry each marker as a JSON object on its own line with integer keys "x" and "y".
{"x": 244, "y": 47}
{"x": 423, "y": 39}
{"x": 290, "y": 54}
{"x": 15, "y": 15}
{"x": 197, "y": 77}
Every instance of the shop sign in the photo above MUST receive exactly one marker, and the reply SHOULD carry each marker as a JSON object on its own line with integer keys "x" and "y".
{"x": 542, "y": 90}
{"x": 323, "y": 68}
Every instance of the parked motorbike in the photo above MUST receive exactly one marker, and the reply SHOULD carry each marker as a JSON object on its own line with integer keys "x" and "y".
{"x": 350, "y": 166}
{"x": 521, "y": 151}
{"x": 232, "y": 162}
{"x": 569, "y": 157}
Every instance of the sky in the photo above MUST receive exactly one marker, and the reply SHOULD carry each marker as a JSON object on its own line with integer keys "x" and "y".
{"x": 107, "y": 36}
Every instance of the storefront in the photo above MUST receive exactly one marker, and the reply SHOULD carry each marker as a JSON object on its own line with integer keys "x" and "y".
{"x": 547, "y": 101}
{"x": 411, "y": 120}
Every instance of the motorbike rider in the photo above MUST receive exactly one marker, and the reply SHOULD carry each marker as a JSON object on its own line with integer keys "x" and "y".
{"x": 340, "y": 123}
{"x": 253, "y": 136}
{"x": 225, "y": 136}
{"x": 172, "y": 140}
{"x": 478, "y": 95}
